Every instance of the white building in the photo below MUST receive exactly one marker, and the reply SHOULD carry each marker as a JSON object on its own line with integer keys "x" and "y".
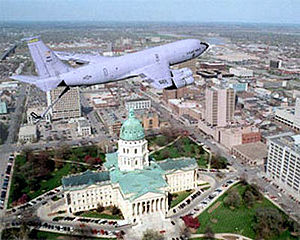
{"x": 132, "y": 182}
{"x": 138, "y": 104}
{"x": 28, "y": 133}
{"x": 84, "y": 128}
{"x": 289, "y": 116}
{"x": 241, "y": 72}
{"x": 283, "y": 164}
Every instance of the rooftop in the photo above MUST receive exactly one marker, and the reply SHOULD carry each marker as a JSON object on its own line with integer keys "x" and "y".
{"x": 253, "y": 151}
{"x": 177, "y": 164}
{"x": 27, "y": 130}
{"x": 138, "y": 182}
{"x": 3, "y": 108}
{"x": 86, "y": 178}
{"x": 132, "y": 129}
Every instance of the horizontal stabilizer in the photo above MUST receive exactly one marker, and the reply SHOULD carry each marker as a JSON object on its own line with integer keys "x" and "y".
{"x": 45, "y": 84}
{"x": 26, "y": 79}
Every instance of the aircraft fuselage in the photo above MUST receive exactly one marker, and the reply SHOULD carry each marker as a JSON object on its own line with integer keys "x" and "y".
{"x": 118, "y": 68}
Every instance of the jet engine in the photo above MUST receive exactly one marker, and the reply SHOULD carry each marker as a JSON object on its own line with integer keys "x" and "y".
{"x": 182, "y": 77}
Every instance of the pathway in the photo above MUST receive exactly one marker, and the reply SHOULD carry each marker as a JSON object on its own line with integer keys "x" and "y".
{"x": 224, "y": 236}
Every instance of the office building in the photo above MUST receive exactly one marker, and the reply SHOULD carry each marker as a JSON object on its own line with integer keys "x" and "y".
{"x": 283, "y": 163}
{"x": 67, "y": 107}
{"x": 219, "y": 106}
{"x": 138, "y": 104}
{"x": 275, "y": 64}
{"x": 84, "y": 128}
{"x": 289, "y": 116}
{"x": 28, "y": 134}
{"x": 241, "y": 72}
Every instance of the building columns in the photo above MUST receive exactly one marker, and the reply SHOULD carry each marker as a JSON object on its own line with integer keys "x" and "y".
{"x": 150, "y": 206}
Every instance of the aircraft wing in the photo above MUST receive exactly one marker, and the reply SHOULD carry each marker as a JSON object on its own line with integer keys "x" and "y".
{"x": 79, "y": 57}
{"x": 157, "y": 74}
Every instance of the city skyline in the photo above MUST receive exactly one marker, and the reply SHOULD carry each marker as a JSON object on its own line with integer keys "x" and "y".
{"x": 232, "y": 11}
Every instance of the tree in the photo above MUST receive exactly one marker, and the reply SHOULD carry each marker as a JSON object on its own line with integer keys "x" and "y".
{"x": 254, "y": 189}
{"x": 152, "y": 235}
{"x": 219, "y": 162}
{"x": 268, "y": 222}
{"x": 161, "y": 141}
{"x": 165, "y": 153}
{"x": 249, "y": 198}
{"x": 208, "y": 233}
{"x": 115, "y": 210}
{"x": 100, "y": 208}
{"x": 233, "y": 199}
{"x": 63, "y": 152}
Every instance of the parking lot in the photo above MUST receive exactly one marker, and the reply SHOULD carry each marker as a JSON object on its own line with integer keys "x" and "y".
{"x": 5, "y": 179}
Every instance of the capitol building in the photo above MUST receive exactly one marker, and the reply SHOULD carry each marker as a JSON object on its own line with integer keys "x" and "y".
{"x": 131, "y": 181}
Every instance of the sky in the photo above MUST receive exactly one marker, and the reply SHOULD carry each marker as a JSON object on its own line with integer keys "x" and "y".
{"x": 244, "y": 11}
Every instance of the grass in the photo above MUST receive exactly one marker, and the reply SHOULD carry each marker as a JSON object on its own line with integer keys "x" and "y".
{"x": 240, "y": 220}
{"x": 180, "y": 197}
{"x": 159, "y": 140}
{"x": 53, "y": 182}
{"x": 93, "y": 214}
{"x": 202, "y": 161}
{"x": 203, "y": 184}
{"x": 183, "y": 147}
{"x": 43, "y": 235}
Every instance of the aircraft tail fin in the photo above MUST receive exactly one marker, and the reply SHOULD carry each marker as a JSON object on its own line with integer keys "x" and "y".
{"x": 45, "y": 60}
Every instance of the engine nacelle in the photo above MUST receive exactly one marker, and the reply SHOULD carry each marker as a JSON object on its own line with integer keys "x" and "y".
{"x": 182, "y": 77}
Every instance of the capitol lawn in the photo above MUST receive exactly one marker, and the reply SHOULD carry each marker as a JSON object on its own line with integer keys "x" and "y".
{"x": 14, "y": 233}
{"x": 239, "y": 220}
{"x": 183, "y": 147}
{"x": 179, "y": 197}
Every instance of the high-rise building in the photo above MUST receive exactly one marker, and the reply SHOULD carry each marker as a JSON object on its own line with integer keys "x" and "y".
{"x": 275, "y": 64}
{"x": 67, "y": 107}
{"x": 283, "y": 164}
{"x": 289, "y": 116}
{"x": 219, "y": 106}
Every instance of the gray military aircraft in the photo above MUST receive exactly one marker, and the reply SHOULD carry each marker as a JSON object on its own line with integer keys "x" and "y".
{"x": 152, "y": 65}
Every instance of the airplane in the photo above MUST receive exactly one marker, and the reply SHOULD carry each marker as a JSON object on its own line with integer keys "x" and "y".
{"x": 152, "y": 65}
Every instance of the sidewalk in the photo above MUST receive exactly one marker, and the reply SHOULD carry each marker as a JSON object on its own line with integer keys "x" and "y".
{"x": 224, "y": 236}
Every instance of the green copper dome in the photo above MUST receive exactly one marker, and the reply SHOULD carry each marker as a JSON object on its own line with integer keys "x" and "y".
{"x": 132, "y": 129}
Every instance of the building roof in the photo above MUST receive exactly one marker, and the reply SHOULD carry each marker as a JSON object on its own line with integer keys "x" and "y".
{"x": 27, "y": 130}
{"x": 86, "y": 178}
{"x": 3, "y": 108}
{"x": 253, "y": 151}
{"x": 132, "y": 129}
{"x": 177, "y": 164}
{"x": 137, "y": 100}
{"x": 139, "y": 182}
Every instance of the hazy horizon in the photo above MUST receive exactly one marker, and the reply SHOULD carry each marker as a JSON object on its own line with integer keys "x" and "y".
{"x": 173, "y": 11}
